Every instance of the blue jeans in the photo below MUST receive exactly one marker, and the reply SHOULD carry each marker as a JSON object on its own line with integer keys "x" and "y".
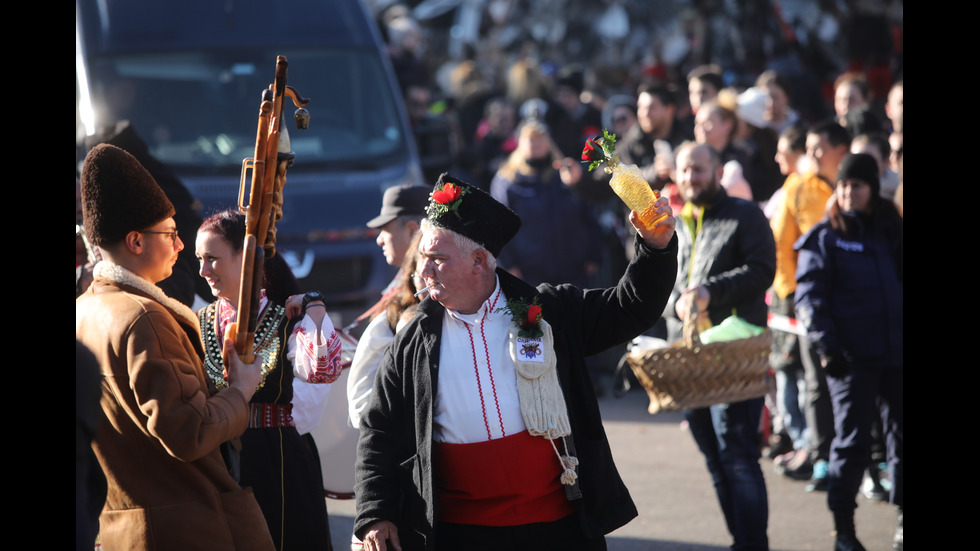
{"x": 790, "y": 399}
{"x": 728, "y": 436}
{"x": 819, "y": 410}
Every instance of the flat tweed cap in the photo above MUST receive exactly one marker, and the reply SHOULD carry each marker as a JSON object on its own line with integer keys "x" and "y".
{"x": 470, "y": 211}
{"x": 119, "y": 196}
{"x": 401, "y": 201}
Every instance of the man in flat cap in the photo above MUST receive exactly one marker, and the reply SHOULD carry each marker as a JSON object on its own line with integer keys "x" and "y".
{"x": 159, "y": 443}
{"x": 402, "y": 210}
{"x": 401, "y": 214}
{"x": 483, "y": 431}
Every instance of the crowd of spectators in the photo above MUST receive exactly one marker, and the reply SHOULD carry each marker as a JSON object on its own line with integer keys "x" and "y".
{"x": 473, "y": 52}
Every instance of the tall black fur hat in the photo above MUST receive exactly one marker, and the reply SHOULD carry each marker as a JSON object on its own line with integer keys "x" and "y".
{"x": 119, "y": 196}
{"x": 470, "y": 211}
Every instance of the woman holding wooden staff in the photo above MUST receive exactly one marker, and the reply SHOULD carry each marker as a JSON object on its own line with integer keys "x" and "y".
{"x": 276, "y": 462}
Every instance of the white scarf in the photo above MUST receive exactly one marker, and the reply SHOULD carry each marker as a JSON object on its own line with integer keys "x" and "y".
{"x": 542, "y": 403}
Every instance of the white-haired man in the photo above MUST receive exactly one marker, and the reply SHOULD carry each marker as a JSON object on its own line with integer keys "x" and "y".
{"x": 484, "y": 431}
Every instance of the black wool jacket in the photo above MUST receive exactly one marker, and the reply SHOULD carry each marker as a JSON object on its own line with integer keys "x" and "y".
{"x": 394, "y": 478}
{"x": 733, "y": 256}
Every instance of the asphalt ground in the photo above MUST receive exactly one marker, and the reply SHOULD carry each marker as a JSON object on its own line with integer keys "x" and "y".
{"x": 667, "y": 478}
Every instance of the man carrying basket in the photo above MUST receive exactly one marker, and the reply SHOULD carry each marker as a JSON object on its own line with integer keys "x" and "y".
{"x": 726, "y": 260}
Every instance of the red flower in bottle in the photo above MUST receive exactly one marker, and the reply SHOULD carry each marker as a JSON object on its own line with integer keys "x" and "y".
{"x": 600, "y": 150}
{"x": 593, "y": 151}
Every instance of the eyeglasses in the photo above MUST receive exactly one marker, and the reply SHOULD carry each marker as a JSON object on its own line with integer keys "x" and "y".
{"x": 172, "y": 234}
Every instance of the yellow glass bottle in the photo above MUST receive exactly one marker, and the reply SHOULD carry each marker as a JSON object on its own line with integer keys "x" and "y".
{"x": 627, "y": 180}
{"x": 630, "y": 185}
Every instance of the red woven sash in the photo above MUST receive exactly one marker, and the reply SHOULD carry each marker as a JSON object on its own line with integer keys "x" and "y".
{"x": 503, "y": 482}
{"x": 265, "y": 416}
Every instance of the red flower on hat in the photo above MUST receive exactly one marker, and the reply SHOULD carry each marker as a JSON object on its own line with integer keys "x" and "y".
{"x": 447, "y": 194}
{"x": 447, "y": 199}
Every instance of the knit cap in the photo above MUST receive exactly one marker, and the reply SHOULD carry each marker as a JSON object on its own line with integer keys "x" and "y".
{"x": 860, "y": 166}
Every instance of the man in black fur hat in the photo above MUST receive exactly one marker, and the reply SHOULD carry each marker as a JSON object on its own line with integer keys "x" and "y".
{"x": 483, "y": 431}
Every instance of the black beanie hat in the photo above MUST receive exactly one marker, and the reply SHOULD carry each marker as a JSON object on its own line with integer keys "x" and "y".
{"x": 470, "y": 211}
{"x": 119, "y": 196}
{"x": 860, "y": 166}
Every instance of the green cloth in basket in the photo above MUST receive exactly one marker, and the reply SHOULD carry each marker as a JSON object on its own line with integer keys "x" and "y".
{"x": 733, "y": 328}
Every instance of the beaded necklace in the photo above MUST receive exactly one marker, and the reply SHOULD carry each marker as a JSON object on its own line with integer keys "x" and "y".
{"x": 214, "y": 319}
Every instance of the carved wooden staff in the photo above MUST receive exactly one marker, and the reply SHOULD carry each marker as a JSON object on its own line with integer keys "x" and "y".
{"x": 273, "y": 155}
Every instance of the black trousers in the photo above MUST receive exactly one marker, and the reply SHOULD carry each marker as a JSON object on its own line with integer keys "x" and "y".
{"x": 860, "y": 396}
{"x": 565, "y": 534}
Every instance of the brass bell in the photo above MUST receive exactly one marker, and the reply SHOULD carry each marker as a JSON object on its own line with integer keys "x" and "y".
{"x": 302, "y": 119}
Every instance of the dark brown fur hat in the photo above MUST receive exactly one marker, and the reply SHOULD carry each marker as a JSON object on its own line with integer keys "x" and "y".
{"x": 119, "y": 196}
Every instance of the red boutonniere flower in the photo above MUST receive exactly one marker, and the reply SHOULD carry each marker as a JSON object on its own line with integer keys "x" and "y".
{"x": 445, "y": 200}
{"x": 527, "y": 316}
{"x": 533, "y": 314}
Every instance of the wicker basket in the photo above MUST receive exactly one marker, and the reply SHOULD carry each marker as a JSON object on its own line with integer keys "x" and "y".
{"x": 689, "y": 374}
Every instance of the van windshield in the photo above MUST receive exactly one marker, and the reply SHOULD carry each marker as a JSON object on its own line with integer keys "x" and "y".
{"x": 199, "y": 110}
